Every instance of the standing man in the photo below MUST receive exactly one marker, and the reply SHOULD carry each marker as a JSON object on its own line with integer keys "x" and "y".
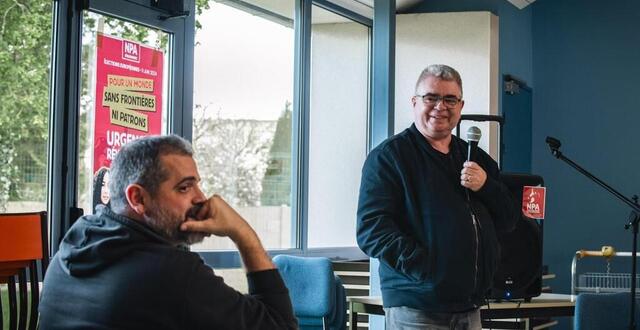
{"x": 437, "y": 247}
{"x": 128, "y": 267}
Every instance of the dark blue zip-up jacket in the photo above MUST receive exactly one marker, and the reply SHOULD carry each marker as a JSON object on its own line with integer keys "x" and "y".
{"x": 413, "y": 215}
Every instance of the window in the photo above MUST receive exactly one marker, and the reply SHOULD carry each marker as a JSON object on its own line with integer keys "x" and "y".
{"x": 338, "y": 126}
{"x": 25, "y": 55}
{"x": 244, "y": 121}
{"x": 150, "y": 104}
{"x": 277, "y": 112}
{"x": 242, "y": 117}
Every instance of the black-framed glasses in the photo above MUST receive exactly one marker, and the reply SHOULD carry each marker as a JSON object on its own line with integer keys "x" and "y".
{"x": 433, "y": 99}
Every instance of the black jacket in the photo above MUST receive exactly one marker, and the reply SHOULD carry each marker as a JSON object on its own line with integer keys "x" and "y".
{"x": 413, "y": 215}
{"x": 112, "y": 272}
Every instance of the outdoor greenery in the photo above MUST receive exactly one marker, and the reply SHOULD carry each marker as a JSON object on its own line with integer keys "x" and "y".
{"x": 4, "y": 298}
{"x": 25, "y": 38}
{"x": 248, "y": 162}
{"x": 276, "y": 184}
{"x": 4, "y": 301}
{"x": 232, "y": 155}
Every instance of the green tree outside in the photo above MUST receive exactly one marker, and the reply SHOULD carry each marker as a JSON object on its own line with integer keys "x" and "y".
{"x": 25, "y": 50}
{"x": 276, "y": 184}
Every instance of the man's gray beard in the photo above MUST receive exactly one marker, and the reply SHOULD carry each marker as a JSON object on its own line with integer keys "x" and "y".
{"x": 167, "y": 225}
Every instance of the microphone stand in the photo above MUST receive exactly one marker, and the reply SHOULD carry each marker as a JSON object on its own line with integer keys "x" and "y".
{"x": 634, "y": 217}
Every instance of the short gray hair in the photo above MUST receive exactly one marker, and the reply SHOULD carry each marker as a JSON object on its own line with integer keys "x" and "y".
{"x": 138, "y": 162}
{"x": 441, "y": 71}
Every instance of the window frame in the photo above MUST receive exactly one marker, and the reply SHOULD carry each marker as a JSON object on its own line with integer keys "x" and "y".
{"x": 300, "y": 149}
{"x": 64, "y": 109}
{"x": 65, "y": 91}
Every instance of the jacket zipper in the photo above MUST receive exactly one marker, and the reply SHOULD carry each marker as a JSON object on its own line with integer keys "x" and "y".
{"x": 475, "y": 230}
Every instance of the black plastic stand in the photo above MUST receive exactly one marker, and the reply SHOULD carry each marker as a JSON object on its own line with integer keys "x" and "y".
{"x": 634, "y": 217}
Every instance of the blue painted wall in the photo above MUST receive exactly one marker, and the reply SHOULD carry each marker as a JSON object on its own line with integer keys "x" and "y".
{"x": 582, "y": 60}
{"x": 581, "y": 57}
{"x": 585, "y": 60}
{"x": 586, "y": 69}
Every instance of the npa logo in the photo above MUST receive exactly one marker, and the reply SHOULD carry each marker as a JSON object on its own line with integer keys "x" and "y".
{"x": 130, "y": 51}
{"x": 533, "y": 200}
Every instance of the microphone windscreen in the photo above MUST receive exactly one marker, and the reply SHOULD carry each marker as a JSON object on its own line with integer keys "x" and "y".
{"x": 473, "y": 134}
{"x": 553, "y": 142}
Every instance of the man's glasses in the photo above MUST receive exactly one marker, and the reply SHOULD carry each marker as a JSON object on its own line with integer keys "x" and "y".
{"x": 433, "y": 99}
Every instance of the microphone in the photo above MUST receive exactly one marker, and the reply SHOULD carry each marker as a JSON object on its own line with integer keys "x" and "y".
{"x": 554, "y": 145}
{"x": 473, "y": 136}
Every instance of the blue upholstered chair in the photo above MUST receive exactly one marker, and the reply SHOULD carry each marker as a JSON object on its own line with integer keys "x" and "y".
{"x": 596, "y": 311}
{"x": 318, "y": 296}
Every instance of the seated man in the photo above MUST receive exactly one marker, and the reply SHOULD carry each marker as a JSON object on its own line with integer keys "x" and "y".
{"x": 128, "y": 267}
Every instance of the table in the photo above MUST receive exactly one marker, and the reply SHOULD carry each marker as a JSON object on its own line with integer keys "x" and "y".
{"x": 545, "y": 305}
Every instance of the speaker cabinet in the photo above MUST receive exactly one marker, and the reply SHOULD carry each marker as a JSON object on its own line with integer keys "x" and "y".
{"x": 519, "y": 274}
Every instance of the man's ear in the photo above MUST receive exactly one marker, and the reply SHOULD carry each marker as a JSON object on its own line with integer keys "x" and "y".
{"x": 137, "y": 196}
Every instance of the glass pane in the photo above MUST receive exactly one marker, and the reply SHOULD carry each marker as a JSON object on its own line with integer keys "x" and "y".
{"x": 242, "y": 115}
{"x": 338, "y": 126}
{"x": 235, "y": 278}
{"x": 25, "y": 50}
{"x": 123, "y": 96}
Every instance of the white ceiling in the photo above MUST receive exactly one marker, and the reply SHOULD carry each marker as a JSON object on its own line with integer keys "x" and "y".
{"x": 363, "y": 7}
{"x": 285, "y": 8}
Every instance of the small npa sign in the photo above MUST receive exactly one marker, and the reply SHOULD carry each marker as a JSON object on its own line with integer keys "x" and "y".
{"x": 533, "y": 199}
{"x": 130, "y": 51}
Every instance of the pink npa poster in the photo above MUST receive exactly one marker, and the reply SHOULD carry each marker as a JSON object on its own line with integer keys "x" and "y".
{"x": 128, "y": 96}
